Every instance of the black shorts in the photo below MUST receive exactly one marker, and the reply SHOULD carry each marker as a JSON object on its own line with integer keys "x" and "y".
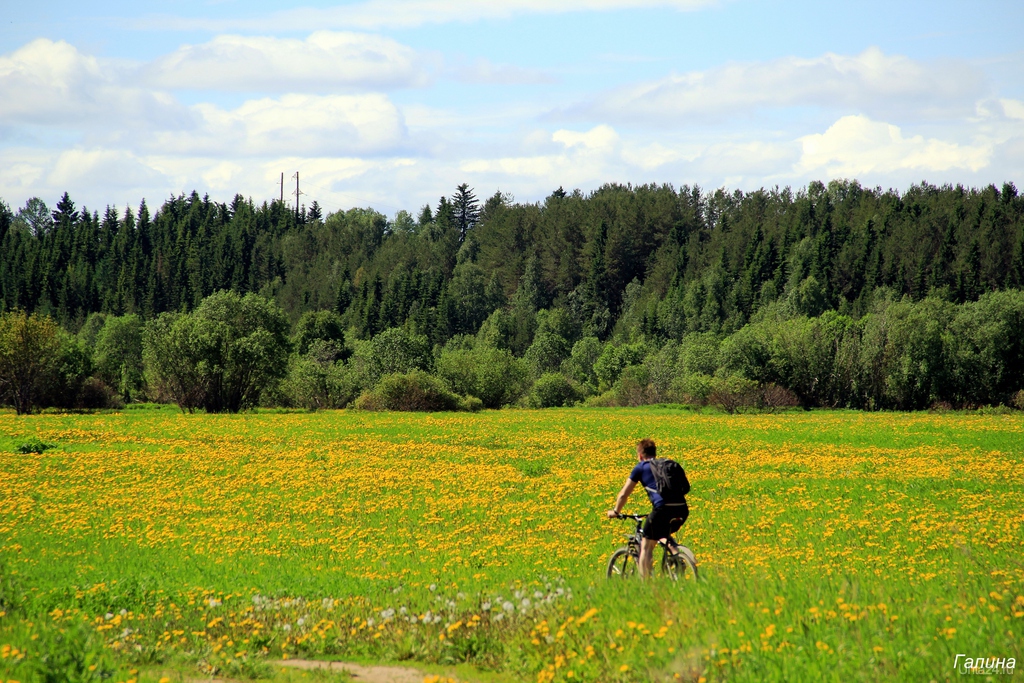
{"x": 665, "y": 521}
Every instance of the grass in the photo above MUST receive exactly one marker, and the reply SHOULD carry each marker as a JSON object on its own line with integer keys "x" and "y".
{"x": 833, "y": 545}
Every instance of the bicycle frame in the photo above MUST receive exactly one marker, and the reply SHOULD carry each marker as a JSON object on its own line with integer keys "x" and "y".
{"x": 634, "y": 539}
{"x": 675, "y": 558}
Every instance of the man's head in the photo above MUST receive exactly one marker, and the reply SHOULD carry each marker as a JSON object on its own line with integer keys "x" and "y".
{"x": 646, "y": 450}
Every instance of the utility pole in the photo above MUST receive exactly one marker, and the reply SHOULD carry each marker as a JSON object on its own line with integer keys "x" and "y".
{"x": 297, "y": 193}
{"x": 282, "y": 187}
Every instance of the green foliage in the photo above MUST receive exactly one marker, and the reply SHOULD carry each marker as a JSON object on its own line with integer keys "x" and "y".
{"x": 552, "y": 390}
{"x": 471, "y": 404}
{"x": 824, "y": 287}
{"x": 33, "y": 445}
{"x": 118, "y": 355}
{"x": 319, "y": 380}
{"x": 76, "y": 654}
{"x": 494, "y": 376}
{"x": 324, "y": 326}
{"x": 393, "y": 351}
{"x": 985, "y": 348}
{"x": 551, "y": 342}
{"x": 732, "y": 393}
{"x": 614, "y": 359}
{"x": 30, "y": 350}
{"x": 415, "y": 391}
{"x": 580, "y": 364}
{"x": 72, "y": 366}
{"x": 222, "y": 356}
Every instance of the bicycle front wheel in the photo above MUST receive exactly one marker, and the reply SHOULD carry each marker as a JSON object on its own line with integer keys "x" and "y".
{"x": 622, "y": 563}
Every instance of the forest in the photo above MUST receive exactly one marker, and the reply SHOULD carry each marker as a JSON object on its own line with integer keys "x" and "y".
{"x": 831, "y": 295}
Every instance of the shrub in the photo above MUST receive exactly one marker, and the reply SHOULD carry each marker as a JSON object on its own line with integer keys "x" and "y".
{"x": 471, "y": 404}
{"x": 369, "y": 401}
{"x": 96, "y": 394}
{"x": 416, "y": 390}
{"x": 613, "y": 359}
{"x": 221, "y": 356}
{"x": 30, "y": 347}
{"x": 495, "y": 376}
{"x": 118, "y": 355}
{"x": 33, "y": 445}
{"x": 732, "y": 393}
{"x": 1017, "y": 400}
{"x": 316, "y": 380}
{"x": 72, "y": 367}
{"x": 319, "y": 326}
{"x": 608, "y": 399}
{"x": 634, "y": 387}
{"x": 553, "y": 390}
{"x": 394, "y": 351}
{"x": 693, "y": 388}
{"x": 773, "y": 397}
{"x": 580, "y": 364}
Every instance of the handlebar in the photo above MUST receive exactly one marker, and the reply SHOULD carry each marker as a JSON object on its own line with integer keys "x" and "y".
{"x": 635, "y": 518}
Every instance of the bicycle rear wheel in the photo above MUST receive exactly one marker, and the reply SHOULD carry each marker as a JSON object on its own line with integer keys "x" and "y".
{"x": 622, "y": 563}
{"x": 679, "y": 566}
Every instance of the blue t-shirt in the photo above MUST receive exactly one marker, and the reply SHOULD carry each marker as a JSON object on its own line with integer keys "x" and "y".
{"x": 643, "y": 475}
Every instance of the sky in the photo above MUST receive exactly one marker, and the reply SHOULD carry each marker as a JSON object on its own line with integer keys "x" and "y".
{"x": 391, "y": 104}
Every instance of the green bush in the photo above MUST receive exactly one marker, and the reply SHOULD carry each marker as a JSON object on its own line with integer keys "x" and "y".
{"x": 415, "y": 391}
{"x": 394, "y": 350}
{"x": 33, "y": 445}
{"x": 368, "y": 401}
{"x": 471, "y": 404}
{"x": 319, "y": 326}
{"x": 118, "y": 355}
{"x": 614, "y": 359}
{"x": 553, "y": 390}
{"x": 580, "y": 364}
{"x": 693, "y": 389}
{"x": 317, "y": 380}
{"x": 72, "y": 367}
{"x": 634, "y": 387}
{"x": 732, "y": 393}
{"x": 222, "y": 356}
{"x": 95, "y": 394}
{"x": 495, "y": 376}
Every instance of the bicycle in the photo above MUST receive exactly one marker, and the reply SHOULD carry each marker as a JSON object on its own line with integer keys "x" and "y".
{"x": 677, "y": 561}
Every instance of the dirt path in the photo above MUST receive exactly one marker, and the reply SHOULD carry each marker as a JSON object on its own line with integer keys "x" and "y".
{"x": 358, "y": 672}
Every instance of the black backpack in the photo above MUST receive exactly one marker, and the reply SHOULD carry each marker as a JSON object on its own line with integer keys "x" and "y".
{"x": 671, "y": 479}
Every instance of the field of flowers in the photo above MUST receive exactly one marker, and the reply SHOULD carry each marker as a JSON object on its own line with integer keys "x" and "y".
{"x": 835, "y": 546}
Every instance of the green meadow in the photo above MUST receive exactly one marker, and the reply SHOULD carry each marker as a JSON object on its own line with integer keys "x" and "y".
{"x": 148, "y": 544}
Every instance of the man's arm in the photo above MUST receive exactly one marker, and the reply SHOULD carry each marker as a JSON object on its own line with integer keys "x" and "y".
{"x": 620, "y": 500}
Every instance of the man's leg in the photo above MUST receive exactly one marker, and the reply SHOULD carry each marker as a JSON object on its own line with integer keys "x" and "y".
{"x": 647, "y": 556}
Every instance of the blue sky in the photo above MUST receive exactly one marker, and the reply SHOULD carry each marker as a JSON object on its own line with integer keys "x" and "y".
{"x": 392, "y": 103}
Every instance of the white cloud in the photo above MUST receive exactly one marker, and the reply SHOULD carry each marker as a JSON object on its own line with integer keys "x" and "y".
{"x": 324, "y": 61}
{"x": 376, "y": 14}
{"x": 113, "y": 169}
{"x": 47, "y": 83}
{"x": 575, "y": 158}
{"x": 1013, "y": 109}
{"x": 311, "y": 125}
{"x": 869, "y": 82}
{"x": 600, "y": 138}
{"x": 856, "y": 146}
{"x": 484, "y": 72}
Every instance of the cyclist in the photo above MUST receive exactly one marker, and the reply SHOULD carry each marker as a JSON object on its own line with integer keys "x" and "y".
{"x": 666, "y": 516}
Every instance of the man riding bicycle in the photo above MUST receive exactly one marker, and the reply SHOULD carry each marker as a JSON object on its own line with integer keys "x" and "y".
{"x": 666, "y": 486}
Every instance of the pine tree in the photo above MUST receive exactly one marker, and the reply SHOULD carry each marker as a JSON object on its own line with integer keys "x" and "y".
{"x": 466, "y": 210}
{"x": 315, "y": 214}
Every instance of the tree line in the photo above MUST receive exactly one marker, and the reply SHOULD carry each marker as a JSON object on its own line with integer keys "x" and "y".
{"x": 834, "y": 295}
